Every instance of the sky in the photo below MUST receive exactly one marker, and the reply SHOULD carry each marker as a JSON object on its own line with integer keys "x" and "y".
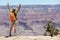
{"x": 30, "y": 2}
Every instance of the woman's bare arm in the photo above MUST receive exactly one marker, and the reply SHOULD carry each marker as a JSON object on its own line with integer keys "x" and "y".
{"x": 19, "y": 8}
{"x": 8, "y": 6}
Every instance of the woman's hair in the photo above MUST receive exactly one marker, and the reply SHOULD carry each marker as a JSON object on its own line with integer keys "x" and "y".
{"x": 13, "y": 10}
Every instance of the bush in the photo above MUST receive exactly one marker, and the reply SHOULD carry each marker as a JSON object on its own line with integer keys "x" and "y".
{"x": 50, "y": 29}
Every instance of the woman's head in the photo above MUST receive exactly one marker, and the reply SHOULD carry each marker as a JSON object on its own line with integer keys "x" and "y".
{"x": 13, "y": 10}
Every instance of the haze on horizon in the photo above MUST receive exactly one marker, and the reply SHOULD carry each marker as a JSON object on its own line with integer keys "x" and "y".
{"x": 30, "y": 2}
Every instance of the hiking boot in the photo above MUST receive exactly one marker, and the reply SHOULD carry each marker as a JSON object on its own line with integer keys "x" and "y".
{"x": 10, "y": 34}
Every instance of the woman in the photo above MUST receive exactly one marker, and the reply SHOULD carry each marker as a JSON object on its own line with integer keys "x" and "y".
{"x": 13, "y": 18}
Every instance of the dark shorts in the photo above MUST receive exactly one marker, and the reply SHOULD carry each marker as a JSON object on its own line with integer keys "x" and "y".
{"x": 13, "y": 22}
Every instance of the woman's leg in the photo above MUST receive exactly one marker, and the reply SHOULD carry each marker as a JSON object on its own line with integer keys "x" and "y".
{"x": 14, "y": 26}
{"x": 11, "y": 28}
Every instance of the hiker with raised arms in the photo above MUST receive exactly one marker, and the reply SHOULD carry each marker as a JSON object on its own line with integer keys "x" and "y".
{"x": 13, "y": 18}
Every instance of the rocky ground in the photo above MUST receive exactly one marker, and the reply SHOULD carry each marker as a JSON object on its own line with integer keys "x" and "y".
{"x": 30, "y": 38}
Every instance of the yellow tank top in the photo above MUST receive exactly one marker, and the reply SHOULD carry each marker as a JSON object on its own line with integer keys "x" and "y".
{"x": 12, "y": 17}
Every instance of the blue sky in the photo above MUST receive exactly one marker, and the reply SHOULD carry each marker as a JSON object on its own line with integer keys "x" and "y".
{"x": 29, "y": 2}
